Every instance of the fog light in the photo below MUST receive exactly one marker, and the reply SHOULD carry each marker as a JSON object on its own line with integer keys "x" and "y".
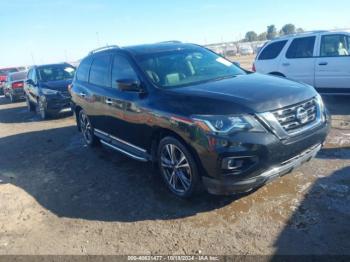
{"x": 238, "y": 164}
{"x": 232, "y": 163}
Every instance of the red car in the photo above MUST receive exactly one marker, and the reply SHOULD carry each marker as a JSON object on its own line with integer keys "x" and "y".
{"x": 3, "y": 76}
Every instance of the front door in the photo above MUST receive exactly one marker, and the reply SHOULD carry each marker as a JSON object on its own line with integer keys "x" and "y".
{"x": 333, "y": 63}
{"x": 126, "y": 107}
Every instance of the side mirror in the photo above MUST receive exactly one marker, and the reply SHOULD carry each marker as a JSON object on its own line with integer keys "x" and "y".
{"x": 30, "y": 82}
{"x": 129, "y": 85}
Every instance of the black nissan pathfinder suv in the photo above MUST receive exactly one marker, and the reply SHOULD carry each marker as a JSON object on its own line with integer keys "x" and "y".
{"x": 203, "y": 120}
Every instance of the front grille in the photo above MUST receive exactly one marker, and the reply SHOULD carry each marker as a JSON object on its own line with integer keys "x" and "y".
{"x": 297, "y": 116}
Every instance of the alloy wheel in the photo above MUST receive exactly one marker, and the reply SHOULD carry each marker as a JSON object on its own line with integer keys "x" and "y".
{"x": 86, "y": 128}
{"x": 42, "y": 110}
{"x": 176, "y": 169}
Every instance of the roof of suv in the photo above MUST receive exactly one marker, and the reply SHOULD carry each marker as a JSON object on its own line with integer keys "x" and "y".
{"x": 311, "y": 33}
{"x": 156, "y": 48}
{"x": 147, "y": 48}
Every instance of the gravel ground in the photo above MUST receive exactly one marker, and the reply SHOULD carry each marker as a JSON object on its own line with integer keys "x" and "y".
{"x": 59, "y": 197}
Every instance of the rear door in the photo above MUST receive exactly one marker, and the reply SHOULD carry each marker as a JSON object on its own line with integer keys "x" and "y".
{"x": 333, "y": 62}
{"x": 97, "y": 90}
{"x": 132, "y": 127}
{"x": 298, "y": 62}
{"x": 268, "y": 59}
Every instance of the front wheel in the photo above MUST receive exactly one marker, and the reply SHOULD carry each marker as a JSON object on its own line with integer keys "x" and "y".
{"x": 41, "y": 109}
{"x": 178, "y": 167}
{"x": 30, "y": 106}
{"x": 87, "y": 130}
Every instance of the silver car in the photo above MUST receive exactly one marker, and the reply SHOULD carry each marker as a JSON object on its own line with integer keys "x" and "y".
{"x": 14, "y": 85}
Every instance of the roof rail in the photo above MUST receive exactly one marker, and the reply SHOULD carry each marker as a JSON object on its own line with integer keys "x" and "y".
{"x": 170, "y": 42}
{"x": 313, "y": 32}
{"x": 103, "y": 48}
{"x": 339, "y": 29}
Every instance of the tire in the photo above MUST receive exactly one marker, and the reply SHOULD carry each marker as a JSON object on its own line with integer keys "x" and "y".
{"x": 41, "y": 110}
{"x": 30, "y": 106}
{"x": 87, "y": 130}
{"x": 178, "y": 168}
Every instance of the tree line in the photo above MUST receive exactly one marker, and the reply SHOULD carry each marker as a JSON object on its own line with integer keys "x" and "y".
{"x": 271, "y": 33}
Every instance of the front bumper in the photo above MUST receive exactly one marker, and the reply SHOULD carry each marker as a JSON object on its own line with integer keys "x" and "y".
{"x": 218, "y": 187}
{"x": 270, "y": 158}
{"x": 18, "y": 93}
{"x": 58, "y": 105}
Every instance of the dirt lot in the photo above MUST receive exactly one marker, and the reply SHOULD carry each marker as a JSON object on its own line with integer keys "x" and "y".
{"x": 59, "y": 197}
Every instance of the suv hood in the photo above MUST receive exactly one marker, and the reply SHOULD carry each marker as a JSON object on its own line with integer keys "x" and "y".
{"x": 255, "y": 92}
{"x": 61, "y": 86}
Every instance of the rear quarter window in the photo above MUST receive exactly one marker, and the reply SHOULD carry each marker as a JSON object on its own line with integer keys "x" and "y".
{"x": 272, "y": 50}
{"x": 83, "y": 69}
{"x": 100, "y": 71}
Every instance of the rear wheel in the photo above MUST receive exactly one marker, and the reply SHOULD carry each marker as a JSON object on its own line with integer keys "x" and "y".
{"x": 178, "y": 168}
{"x": 87, "y": 130}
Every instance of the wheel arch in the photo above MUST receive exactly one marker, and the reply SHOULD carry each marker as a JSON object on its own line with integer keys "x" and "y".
{"x": 277, "y": 74}
{"x": 77, "y": 110}
{"x": 161, "y": 133}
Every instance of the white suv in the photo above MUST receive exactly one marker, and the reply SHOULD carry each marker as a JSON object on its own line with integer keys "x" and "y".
{"x": 319, "y": 58}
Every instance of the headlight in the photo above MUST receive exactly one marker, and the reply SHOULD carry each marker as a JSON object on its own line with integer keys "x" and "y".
{"x": 228, "y": 124}
{"x": 320, "y": 102}
{"x": 46, "y": 91}
{"x": 321, "y": 106}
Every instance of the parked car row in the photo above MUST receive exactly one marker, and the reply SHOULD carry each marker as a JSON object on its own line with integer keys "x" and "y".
{"x": 320, "y": 59}
{"x": 203, "y": 121}
{"x": 4, "y": 74}
{"x": 236, "y": 49}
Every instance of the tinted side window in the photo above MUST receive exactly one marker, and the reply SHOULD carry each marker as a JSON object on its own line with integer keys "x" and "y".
{"x": 99, "y": 72}
{"x": 301, "y": 47}
{"x": 122, "y": 70}
{"x": 31, "y": 75}
{"x": 83, "y": 70}
{"x": 272, "y": 50}
{"x": 335, "y": 45}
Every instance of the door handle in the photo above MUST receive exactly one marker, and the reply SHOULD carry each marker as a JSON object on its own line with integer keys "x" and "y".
{"x": 82, "y": 94}
{"x": 109, "y": 101}
{"x": 323, "y": 63}
{"x": 286, "y": 64}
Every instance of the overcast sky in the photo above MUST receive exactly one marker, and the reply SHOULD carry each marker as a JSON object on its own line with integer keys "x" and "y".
{"x": 52, "y": 31}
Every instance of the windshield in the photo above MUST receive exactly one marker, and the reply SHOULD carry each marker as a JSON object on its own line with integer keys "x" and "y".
{"x": 55, "y": 73}
{"x": 186, "y": 67}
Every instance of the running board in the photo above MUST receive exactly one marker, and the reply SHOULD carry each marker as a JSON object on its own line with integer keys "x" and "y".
{"x": 124, "y": 152}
